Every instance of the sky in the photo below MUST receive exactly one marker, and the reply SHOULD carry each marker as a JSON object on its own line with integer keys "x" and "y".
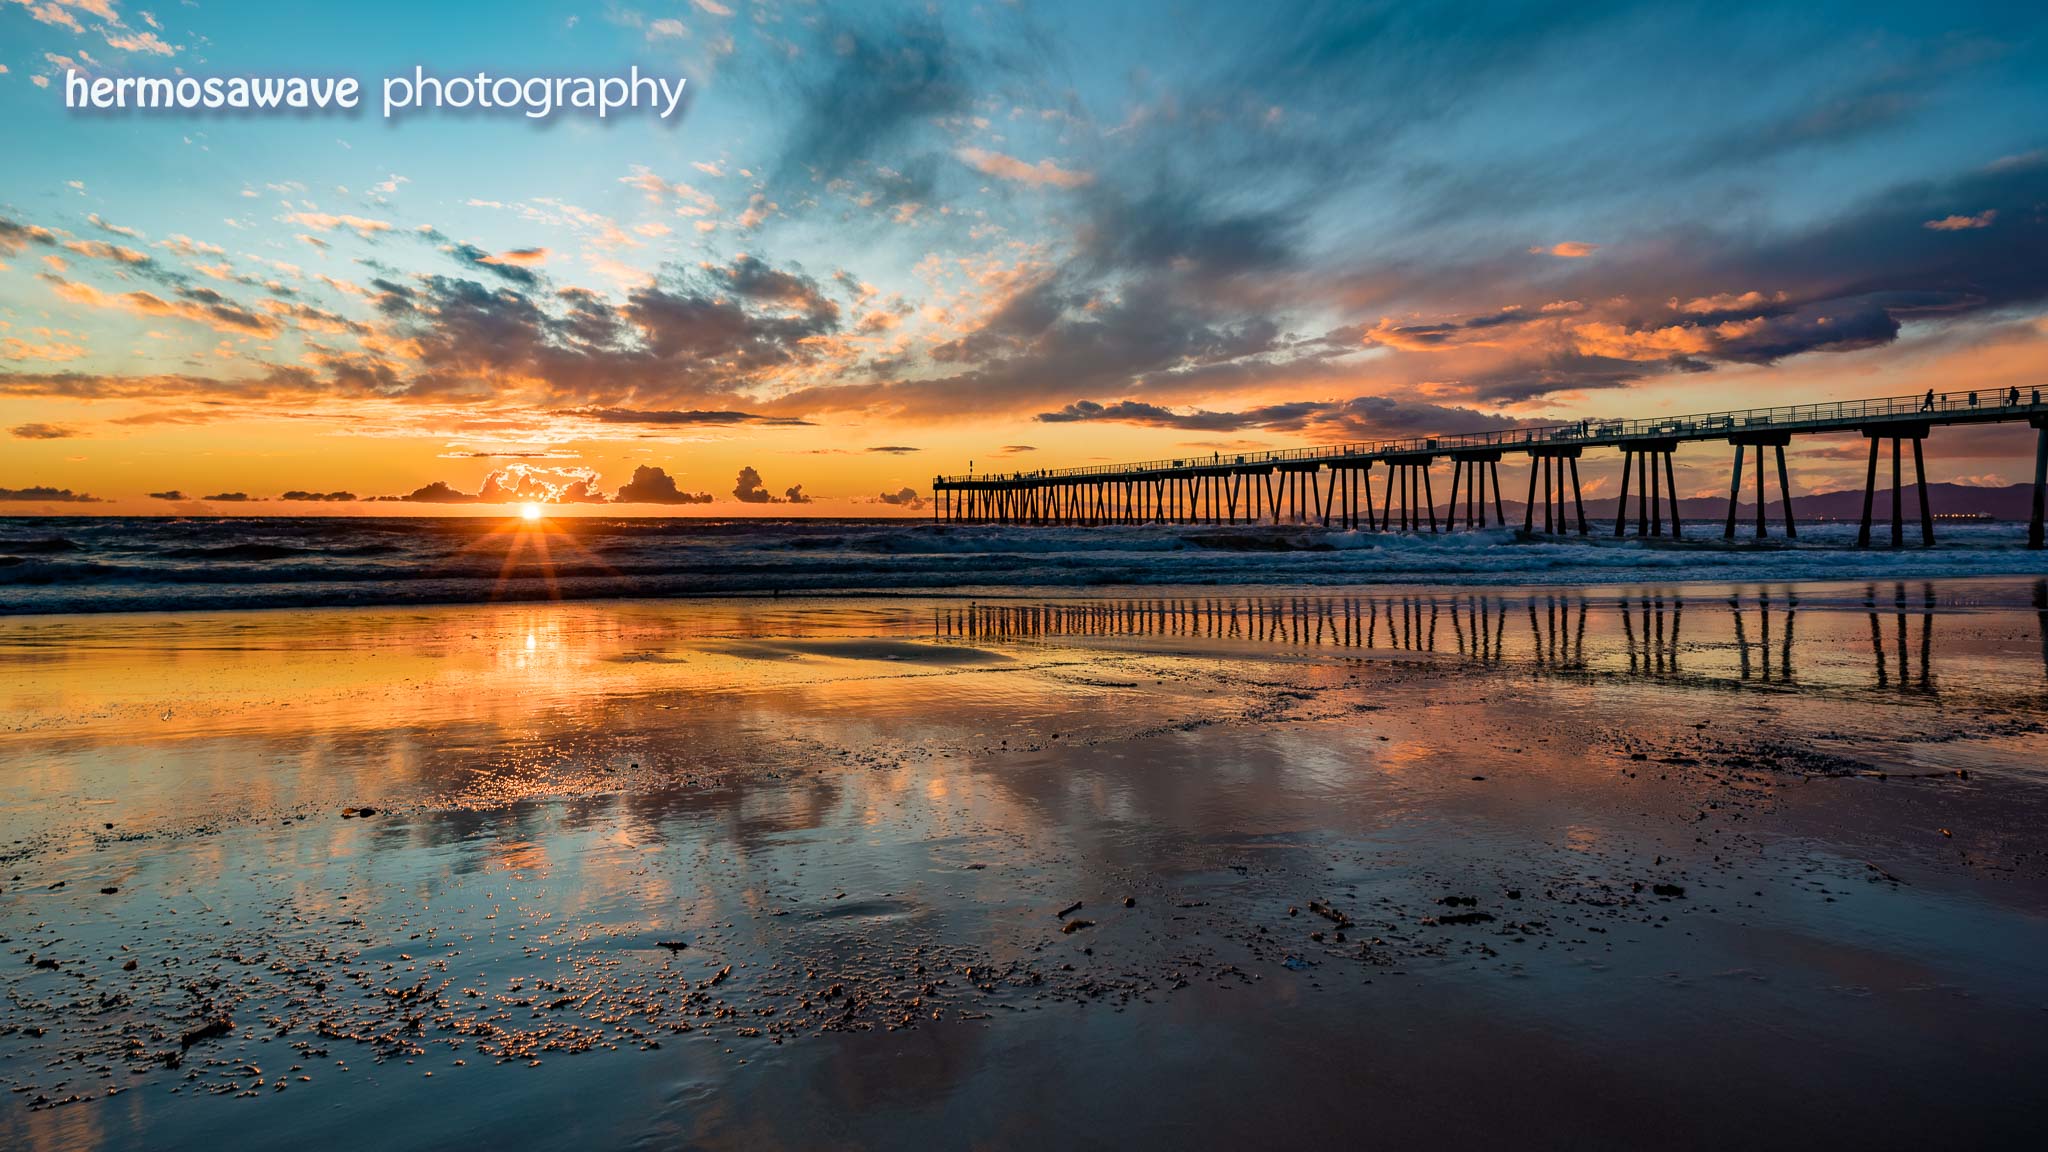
{"x": 883, "y": 242}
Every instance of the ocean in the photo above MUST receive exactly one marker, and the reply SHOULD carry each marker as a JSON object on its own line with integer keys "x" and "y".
{"x": 152, "y": 564}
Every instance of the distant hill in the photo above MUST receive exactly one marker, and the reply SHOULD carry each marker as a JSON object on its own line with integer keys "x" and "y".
{"x": 2012, "y": 502}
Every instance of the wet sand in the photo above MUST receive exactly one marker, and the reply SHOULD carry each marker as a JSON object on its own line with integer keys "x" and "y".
{"x": 1685, "y": 866}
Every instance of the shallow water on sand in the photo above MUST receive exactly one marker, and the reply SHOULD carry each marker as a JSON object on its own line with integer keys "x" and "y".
{"x": 1627, "y": 866}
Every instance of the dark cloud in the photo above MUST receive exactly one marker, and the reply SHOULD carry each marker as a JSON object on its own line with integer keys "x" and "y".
{"x": 53, "y": 495}
{"x": 747, "y": 489}
{"x": 894, "y": 449}
{"x": 319, "y": 497}
{"x": 439, "y": 492}
{"x": 228, "y": 497}
{"x": 904, "y": 498}
{"x": 693, "y": 416}
{"x": 1366, "y": 417}
{"x": 501, "y": 267}
{"x": 15, "y": 236}
{"x": 879, "y": 88}
{"x": 173, "y": 494}
{"x": 651, "y": 485}
{"x": 41, "y": 432}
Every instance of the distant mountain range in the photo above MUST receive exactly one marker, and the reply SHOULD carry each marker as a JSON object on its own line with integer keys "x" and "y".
{"x": 2012, "y": 502}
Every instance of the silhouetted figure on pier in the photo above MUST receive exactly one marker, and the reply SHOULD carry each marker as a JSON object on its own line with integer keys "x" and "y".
{"x": 2012, "y": 399}
{"x": 1927, "y": 405}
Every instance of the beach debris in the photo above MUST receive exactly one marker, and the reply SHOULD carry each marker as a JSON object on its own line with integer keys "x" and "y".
{"x": 1457, "y": 918}
{"x": 1294, "y": 963}
{"x": 1130, "y": 901}
{"x": 108, "y": 891}
{"x": 211, "y": 1029}
{"x": 1676, "y": 891}
{"x": 1073, "y": 926}
{"x": 1329, "y": 913}
{"x": 1069, "y": 910}
{"x": 350, "y": 813}
{"x": 671, "y": 945}
{"x": 1458, "y": 901}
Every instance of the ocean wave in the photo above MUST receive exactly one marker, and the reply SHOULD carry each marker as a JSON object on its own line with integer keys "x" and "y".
{"x": 46, "y": 546}
{"x": 164, "y": 564}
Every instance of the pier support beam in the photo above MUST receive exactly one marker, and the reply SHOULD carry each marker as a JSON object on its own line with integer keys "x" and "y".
{"x": 2034, "y": 525}
{"x": 1656, "y": 488}
{"x": 1761, "y": 441}
{"x": 1897, "y": 433}
{"x": 1552, "y": 462}
{"x": 1409, "y": 473}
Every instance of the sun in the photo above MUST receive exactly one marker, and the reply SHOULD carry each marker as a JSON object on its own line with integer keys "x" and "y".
{"x": 529, "y": 511}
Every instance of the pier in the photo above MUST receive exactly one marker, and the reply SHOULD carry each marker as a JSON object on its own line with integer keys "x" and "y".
{"x": 1332, "y": 486}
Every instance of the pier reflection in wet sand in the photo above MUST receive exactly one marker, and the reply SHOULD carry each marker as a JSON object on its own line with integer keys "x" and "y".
{"x": 1738, "y": 636}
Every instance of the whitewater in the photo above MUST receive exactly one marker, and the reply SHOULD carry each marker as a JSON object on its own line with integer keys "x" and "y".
{"x": 114, "y": 564}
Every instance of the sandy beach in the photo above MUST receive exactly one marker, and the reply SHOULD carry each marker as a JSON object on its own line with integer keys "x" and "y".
{"x": 1681, "y": 865}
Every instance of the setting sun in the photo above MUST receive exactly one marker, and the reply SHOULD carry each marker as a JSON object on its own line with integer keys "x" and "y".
{"x": 529, "y": 511}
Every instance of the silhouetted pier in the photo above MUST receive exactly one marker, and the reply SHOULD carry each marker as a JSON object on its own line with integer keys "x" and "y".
{"x": 1332, "y": 485}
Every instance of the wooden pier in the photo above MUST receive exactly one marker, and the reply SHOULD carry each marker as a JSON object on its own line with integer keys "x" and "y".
{"x": 1331, "y": 486}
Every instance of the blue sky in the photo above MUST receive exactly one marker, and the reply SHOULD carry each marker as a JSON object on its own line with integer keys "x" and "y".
{"x": 885, "y": 239}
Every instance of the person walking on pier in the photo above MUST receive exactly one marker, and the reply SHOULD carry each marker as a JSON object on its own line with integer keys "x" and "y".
{"x": 1927, "y": 405}
{"x": 2012, "y": 399}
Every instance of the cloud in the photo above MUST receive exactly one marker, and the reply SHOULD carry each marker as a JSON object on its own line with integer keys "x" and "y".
{"x": 145, "y": 42}
{"x": 526, "y": 482}
{"x": 651, "y": 485}
{"x": 1962, "y": 223}
{"x": 172, "y": 494}
{"x": 1569, "y": 249}
{"x": 200, "y": 305}
{"x": 669, "y": 417}
{"x": 515, "y": 266}
{"x": 41, "y": 432}
{"x": 15, "y": 236}
{"x": 904, "y": 498}
{"x": 439, "y": 492}
{"x": 1042, "y": 174}
{"x": 894, "y": 449}
{"x": 228, "y": 497}
{"x": 877, "y": 89}
{"x": 1364, "y": 417}
{"x": 51, "y": 495}
{"x": 747, "y": 489}
{"x": 318, "y": 497}
{"x": 94, "y": 219}
{"x": 328, "y": 222}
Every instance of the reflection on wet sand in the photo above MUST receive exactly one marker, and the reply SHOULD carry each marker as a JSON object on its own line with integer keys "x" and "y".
{"x": 1644, "y": 634}
{"x": 774, "y": 874}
